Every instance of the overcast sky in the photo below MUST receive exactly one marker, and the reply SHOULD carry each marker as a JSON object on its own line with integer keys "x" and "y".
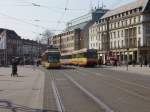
{"x": 29, "y": 18}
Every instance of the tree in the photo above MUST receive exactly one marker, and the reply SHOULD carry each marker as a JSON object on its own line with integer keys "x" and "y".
{"x": 46, "y": 37}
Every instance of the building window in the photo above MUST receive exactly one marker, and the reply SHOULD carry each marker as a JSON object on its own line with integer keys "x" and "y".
{"x": 139, "y": 30}
{"x": 126, "y": 22}
{"x": 130, "y": 21}
{"x": 114, "y": 44}
{"x": 134, "y": 19}
{"x": 118, "y": 44}
{"x": 139, "y": 18}
{"x": 114, "y": 34}
{"x": 114, "y": 25}
{"x": 122, "y": 43}
{"x": 139, "y": 42}
{"x": 118, "y": 34}
{"x": 122, "y": 23}
{"x": 122, "y": 33}
{"x": 110, "y": 44}
{"x": 118, "y": 24}
{"x": 97, "y": 45}
{"x": 147, "y": 28}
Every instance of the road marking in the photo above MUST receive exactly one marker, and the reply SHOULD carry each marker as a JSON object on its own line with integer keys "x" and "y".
{"x": 127, "y": 82}
{"x": 57, "y": 96}
{"x": 128, "y": 91}
{"x": 94, "y": 98}
{"x": 61, "y": 79}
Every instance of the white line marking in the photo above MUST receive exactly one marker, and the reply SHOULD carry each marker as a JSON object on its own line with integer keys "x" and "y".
{"x": 57, "y": 97}
{"x": 128, "y": 91}
{"x": 127, "y": 82}
{"x": 97, "y": 100}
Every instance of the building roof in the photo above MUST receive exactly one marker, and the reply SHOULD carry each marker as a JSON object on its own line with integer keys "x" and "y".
{"x": 10, "y": 33}
{"x": 124, "y": 8}
{"x": 78, "y": 26}
{"x": 82, "y": 21}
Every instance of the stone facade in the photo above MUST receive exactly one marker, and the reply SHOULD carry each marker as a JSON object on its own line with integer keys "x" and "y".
{"x": 12, "y": 45}
{"x": 67, "y": 41}
{"x": 123, "y": 32}
{"x": 76, "y": 35}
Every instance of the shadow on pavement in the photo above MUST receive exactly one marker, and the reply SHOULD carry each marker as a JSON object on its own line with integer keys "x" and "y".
{"x": 11, "y": 81}
{"x": 66, "y": 67}
{"x": 21, "y": 76}
{"x": 62, "y": 68}
{"x": 5, "y": 104}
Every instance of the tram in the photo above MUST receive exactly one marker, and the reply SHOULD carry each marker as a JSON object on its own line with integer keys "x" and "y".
{"x": 83, "y": 57}
{"x": 51, "y": 58}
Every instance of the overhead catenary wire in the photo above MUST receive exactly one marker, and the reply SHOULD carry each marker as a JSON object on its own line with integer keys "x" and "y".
{"x": 54, "y": 7}
{"x": 23, "y": 21}
{"x": 63, "y": 14}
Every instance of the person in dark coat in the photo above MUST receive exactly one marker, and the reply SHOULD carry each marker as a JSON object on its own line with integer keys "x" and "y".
{"x": 145, "y": 62}
{"x": 14, "y": 68}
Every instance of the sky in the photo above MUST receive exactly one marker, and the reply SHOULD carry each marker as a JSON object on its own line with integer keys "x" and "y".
{"x": 29, "y": 18}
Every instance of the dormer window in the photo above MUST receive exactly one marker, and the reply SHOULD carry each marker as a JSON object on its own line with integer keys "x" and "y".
{"x": 140, "y": 9}
{"x": 135, "y": 10}
{"x": 131, "y": 11}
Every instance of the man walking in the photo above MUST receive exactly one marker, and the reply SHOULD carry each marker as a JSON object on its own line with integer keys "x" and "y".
{"x": 14, "y": 68}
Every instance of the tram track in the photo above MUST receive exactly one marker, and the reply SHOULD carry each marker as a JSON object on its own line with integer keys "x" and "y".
{"x": 89, "y": 94}
{"x": 72, "y": 98}
{"x": 57, "y": 96}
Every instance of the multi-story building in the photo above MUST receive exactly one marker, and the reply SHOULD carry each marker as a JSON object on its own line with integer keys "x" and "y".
{"x": 67, "y": 41}
{"x": 30, "y": 49}
{"x": 12, "y": 45}
{"x": 123, "y": 32}
{"x": 78, "y": 31}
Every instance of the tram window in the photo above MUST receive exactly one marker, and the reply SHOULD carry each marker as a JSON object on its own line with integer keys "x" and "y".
{"x": 53, "y": 57}
{"x": 81, "y": 55}
{"x": 92, "y": 54}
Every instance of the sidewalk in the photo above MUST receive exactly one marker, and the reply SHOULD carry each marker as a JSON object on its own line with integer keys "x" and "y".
{"x": 23, "y": 93}
{"x": 136, "y": 69}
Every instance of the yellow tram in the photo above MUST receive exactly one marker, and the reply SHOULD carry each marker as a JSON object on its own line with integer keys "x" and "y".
{"x": 51, "y": 58}
{"x": 83, "y": 57}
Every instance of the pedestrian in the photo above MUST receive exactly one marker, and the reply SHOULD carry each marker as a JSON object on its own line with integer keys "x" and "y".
{"x": 14, "y": 68}
{"x": 34, "y": 63}
{"x": 37, "y": 63}
{"x": 145, "y": 62}
{"x": 115, "y": 62}
{"x": 133, "y": 63}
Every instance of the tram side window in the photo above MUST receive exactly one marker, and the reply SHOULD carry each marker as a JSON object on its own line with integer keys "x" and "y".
{"x": 74, "y": 56}
{"x": 66, "y": 57}
{"x": 82, "y": 55}
{"x": 92, "y": 54}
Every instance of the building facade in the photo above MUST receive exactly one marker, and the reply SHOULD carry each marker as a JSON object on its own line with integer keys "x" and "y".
{"x": 76, "y": 35}
{"x": 123, "y": 32}
{"x": 67, "y": 41}
{"x": 30, "y": 49}
{"x": 12, "y": 45}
